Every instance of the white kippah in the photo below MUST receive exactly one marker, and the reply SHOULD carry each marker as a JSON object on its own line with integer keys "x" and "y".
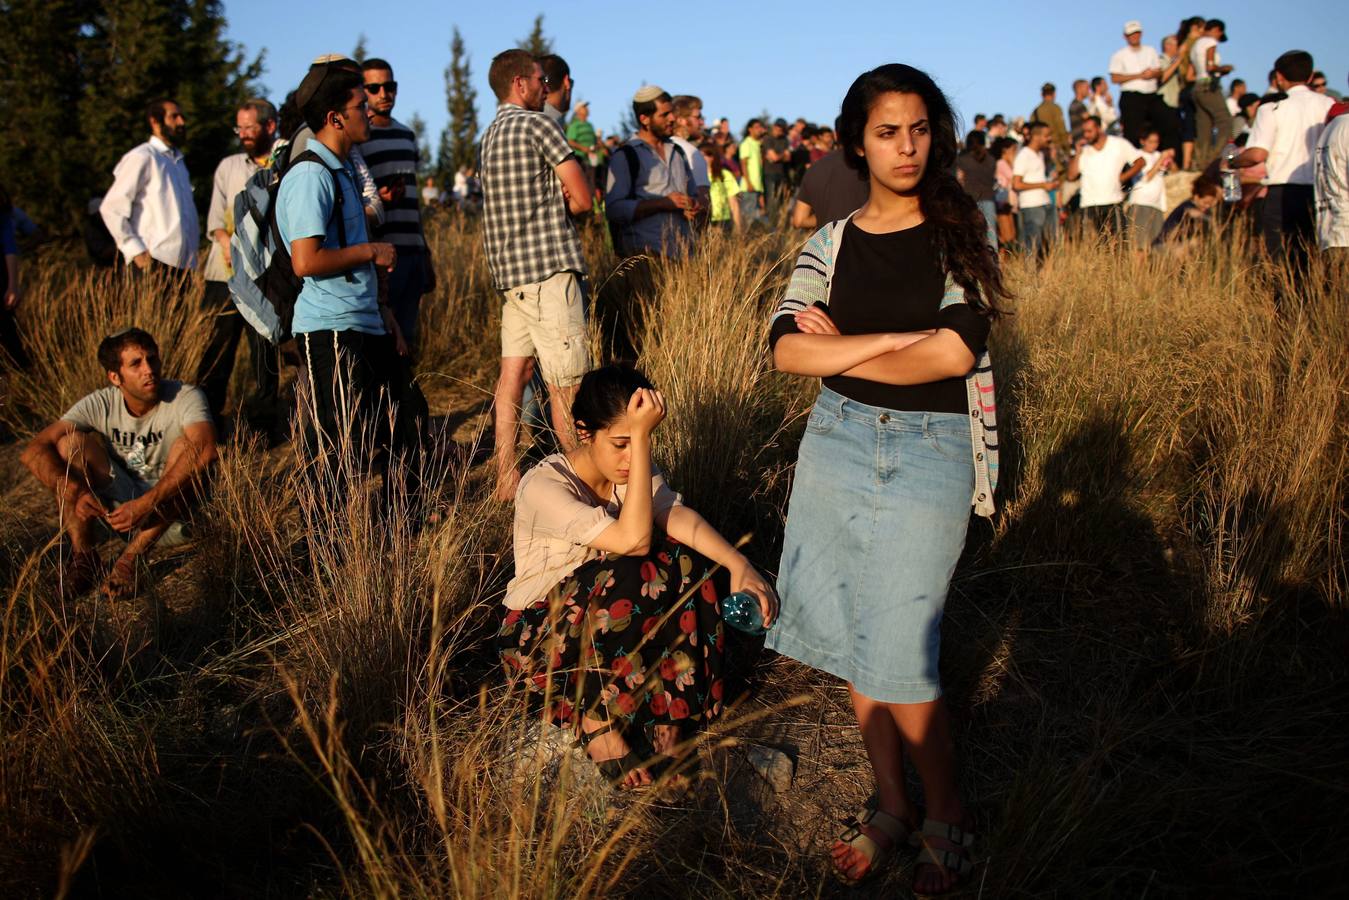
{"x": 646, "y": 94}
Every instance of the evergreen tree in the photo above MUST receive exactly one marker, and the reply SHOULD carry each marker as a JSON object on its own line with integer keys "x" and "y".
{"x": 358, "y": 52}
{"x": 536, "y": 42}
{"x": 90, "y": 68}
{"x": 425, "y": 163}
{"x": 458, "y": 142}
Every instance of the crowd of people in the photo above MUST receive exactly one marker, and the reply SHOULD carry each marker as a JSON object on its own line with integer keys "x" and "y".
{"x": 1103, "y": 167}
{"x": 315, "y": 232}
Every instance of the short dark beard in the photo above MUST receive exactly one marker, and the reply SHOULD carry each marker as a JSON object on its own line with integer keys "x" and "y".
{"x": 174, "y": 137}
{"x": 261, "y": 146}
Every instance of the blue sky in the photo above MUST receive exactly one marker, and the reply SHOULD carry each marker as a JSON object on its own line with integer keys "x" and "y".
{"x": 790, "y": 57}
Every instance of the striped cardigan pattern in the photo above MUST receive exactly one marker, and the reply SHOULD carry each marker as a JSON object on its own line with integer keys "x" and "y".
{"x": 810, "y": 284}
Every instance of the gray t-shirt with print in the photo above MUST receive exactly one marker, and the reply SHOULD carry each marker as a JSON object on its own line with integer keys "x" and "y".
{"x": 141, "y": 445}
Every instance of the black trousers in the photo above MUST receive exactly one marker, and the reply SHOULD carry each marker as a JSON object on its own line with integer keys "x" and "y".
{"x": 1287, "y": 222}
{"x": 262, "y": 408}
{"x": 1141, "y": 113}
{"x": 361, "y": 410}
{"x": 1107, "y": 219}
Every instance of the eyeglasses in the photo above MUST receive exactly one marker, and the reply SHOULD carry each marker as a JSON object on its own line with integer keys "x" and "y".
{"x": 1318, "y": 85}
{"x": 381, "y": 87}
{"x": 362, "y": 106}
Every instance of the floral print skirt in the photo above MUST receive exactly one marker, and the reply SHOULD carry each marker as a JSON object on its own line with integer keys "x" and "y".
{"x": 638, "y": 639}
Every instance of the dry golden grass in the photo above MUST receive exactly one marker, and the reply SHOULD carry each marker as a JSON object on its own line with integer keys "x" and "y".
{"x": 1145, "y": 653}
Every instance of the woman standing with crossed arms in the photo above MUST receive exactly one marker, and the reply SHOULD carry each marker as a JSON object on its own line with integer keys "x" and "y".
{"x": 892, "y": 309}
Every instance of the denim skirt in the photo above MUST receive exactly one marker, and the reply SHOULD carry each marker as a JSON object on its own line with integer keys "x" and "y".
{"x": 877, "y": 520}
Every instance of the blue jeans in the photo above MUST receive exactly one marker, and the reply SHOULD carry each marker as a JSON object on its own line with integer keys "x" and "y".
{"x": 1033, "y": 224}
{"x": 749, "y": 206}
{"x": 990, "y": 211}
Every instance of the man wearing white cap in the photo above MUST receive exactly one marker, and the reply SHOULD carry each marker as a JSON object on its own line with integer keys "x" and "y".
{"x": 651, "y": 197}
{"x": 1136, "y": 68}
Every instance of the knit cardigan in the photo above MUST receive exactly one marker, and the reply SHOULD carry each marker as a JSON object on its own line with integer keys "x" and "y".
{"x": 810, "y": 284}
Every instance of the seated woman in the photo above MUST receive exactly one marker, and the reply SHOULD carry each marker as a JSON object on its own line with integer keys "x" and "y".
{"x": 614, "y": 609}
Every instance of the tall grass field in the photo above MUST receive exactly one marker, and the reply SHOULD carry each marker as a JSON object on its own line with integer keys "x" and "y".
{"x": 1145, "y": 652}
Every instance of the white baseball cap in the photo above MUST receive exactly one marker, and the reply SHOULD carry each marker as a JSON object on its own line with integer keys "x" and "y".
{"x": 1133, "y": 26}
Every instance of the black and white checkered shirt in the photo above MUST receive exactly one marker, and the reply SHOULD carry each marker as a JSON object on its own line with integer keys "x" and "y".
{"x": 525, "y": 226}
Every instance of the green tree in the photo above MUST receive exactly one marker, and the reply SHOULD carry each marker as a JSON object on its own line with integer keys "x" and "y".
{"x": 536, "y": 42}
{"x": 425, "y": 162}
{"x": 458, "y": 142}
{"x": 90, "y": 68}
{"x": 359, "y": 52}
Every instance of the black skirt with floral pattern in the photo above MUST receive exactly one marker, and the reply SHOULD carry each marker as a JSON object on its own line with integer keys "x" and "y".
{"x": 636, "y": 639}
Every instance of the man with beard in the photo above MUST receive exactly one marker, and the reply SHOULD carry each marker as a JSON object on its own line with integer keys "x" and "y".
{"x": 651, "y": 197}
{"x": 132, "y": 454}
{"x": 255, "y": 123}
{"x": 149, "y": 210}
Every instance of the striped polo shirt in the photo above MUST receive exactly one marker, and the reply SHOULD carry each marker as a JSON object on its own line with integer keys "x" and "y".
{"x": 391, "y": 153}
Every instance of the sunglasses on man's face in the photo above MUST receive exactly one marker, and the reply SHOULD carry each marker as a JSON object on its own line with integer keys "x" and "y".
{"x": 1318, "y": 85}
{"x": 381, "y": 87}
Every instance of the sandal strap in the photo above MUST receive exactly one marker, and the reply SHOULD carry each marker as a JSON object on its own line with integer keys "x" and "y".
{"x": 952, "y": 860}
{"x": 871, "y": 849}
{"x": 948, "y": 832}
{"x": 585, "y": 737}
{"x": 893, "y": 827}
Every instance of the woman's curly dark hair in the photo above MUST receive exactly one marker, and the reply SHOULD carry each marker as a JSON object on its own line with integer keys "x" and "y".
{"x": 959, "y": 230}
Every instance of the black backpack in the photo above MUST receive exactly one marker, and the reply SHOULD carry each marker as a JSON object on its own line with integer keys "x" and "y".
{"x": 264, "y": 285}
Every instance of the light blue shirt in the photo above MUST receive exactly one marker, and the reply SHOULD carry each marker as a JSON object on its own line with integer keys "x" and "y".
{"x": 665, "y": 233}
{"x": 305, "y": 206}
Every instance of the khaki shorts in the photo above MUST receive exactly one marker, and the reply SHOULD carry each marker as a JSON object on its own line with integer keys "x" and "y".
{"x": 548, "y": 320}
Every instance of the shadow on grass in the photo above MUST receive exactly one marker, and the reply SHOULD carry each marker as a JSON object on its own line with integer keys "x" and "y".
{"x": 1114, "y": 743}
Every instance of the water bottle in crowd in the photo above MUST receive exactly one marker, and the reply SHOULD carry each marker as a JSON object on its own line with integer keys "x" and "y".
{"x": 741, "y": 610}
{"x": 1231, "y": 182}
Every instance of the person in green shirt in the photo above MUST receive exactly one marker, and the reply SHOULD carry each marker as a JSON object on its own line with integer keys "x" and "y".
{"x": 725, "y": 212}
{"x": 751, "y": 164}
{"x": 581, "y": 134}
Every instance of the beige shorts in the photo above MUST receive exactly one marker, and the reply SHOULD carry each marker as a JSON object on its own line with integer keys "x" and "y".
{"x": 548, "y": 320}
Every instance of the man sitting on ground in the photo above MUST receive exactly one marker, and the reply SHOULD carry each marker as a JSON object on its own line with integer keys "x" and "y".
{"x": 131, "y": 454}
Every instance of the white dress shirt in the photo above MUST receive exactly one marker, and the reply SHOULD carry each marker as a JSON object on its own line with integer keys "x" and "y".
{"x": 230, "y": 177}
{"x": 695, "y": 157}
{"x": 1132, "y": 60}
{"x": 1288, "y": 131}
{"x": 1332, "y": 185}
{"x": 149, "y": 206}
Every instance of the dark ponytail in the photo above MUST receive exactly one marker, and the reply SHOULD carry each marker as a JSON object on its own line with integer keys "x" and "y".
{"x": 959, "y": 229}
{"x": 603, "y": 396}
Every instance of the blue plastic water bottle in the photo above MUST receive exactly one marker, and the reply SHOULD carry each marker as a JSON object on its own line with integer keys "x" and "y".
{"x": 741, "y": 610}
